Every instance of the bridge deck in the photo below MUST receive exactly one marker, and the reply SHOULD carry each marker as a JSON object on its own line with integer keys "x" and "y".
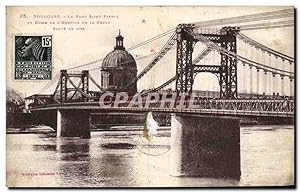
{"x": 261, "y": 108}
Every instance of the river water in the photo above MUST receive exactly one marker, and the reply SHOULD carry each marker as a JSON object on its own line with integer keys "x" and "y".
{"x": 114, "y": 159}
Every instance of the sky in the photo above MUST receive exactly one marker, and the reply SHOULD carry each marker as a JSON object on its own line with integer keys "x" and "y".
{"x": 137, "y": 24}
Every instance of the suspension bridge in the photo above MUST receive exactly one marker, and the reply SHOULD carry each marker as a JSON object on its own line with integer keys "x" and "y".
{"x": 252, "y": 79}
{"x": 227, "y": 52}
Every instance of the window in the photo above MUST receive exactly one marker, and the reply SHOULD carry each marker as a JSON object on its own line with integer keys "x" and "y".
{"x": 111, "y": 80}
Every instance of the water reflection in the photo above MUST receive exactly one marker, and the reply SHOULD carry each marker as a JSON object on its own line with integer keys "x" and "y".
{"x": 112, "y": 158}
{"x": 88, "y": 162}
{"x": 73, "y": 149}
{"x": 118, "y": 146}
{"x": 44, "y": 147}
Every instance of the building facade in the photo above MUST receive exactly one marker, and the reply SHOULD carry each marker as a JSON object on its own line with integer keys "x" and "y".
{"x": 119, "y": 69}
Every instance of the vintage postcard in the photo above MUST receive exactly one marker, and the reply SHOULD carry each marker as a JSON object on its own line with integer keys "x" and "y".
{"x": 155, "y": 96}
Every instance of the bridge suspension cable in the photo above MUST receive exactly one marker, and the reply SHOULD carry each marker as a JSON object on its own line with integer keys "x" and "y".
{"x": 129, "y": 49}
{"x": 267, "y": 25}
{"x": 152, "y": 39}
{"x": 125, "y": 62}
{"x": 161, "y": 86}
{"x": 239, "y": 19}
{"x": 91, "y": 78}
{"x": 196, "y": 60}
{"x": 97, "y": 85}
{"x": 79, "y": 84}
{"x": 202, "y": 55}
{"x": 273, "y": 83}
{"x": 167, "y": 47}
{"x": 56, "y": 88}
{"x": 250, "y": 41}
{"x": 79, "y": 90}
{"x": 247, "y": 18}
{"x": 240, "y": 58}
{"x": 49, "y": 84}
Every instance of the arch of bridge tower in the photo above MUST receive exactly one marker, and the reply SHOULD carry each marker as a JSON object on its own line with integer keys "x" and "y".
{"x": 186, "y": 42}
{"x": 207, "y": 81}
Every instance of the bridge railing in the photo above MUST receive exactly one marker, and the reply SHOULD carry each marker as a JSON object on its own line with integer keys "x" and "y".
{"x": 209, "y": 105}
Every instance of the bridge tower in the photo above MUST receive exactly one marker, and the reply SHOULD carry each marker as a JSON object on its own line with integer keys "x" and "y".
{"x": 65, "y": 78}
{"x": 85, "y": 84}
{"x": 184, "y": 51}
{"x": 185, "y": 69}
{"x": 63, "y": 86}
{"x": 228, "y": 68}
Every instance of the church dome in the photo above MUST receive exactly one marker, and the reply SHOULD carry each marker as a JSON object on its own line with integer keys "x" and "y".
{"x": 119, "y": 58}
{"x": 119, "y": 69}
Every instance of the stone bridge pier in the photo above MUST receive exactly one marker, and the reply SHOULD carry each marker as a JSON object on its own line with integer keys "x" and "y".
{"x": 66, "y": 122}
{"x": 73, "y": 123}
{"x": 203, "y": 146}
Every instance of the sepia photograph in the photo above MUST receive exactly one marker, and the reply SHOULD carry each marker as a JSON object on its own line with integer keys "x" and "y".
{"x": 150, "y": 96}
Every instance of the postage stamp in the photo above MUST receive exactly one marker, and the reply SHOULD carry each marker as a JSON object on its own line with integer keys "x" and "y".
{"x": 33, "y": 57}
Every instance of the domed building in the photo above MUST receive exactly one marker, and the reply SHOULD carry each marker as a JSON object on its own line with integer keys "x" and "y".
{"x": 119, "y": 69}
